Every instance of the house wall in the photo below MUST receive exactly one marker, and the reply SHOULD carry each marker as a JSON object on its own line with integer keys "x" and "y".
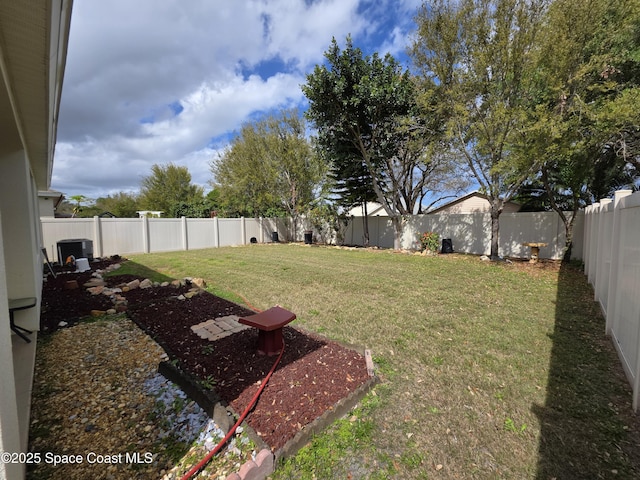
{"x": 476, "y": 204}
{"x": 21, "y": 276}
{"x": 32, "y": 60}
{"x": 9, "y": 430}
{"x": 45, "y": 205}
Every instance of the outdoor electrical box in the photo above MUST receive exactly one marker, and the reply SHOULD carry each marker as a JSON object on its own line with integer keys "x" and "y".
{"x": 447, "y": 246}
{"x": 78, "y": 247}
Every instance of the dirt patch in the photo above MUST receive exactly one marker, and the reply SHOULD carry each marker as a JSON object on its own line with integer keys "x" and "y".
{"x": 313, "y": 374}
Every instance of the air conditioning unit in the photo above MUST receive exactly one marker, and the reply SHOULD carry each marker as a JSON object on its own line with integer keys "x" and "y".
{"x": 78, "y": 247}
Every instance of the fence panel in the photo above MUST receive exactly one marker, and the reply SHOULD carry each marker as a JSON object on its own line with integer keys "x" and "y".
{"x": 253, "y": 229}
{"x": 626, "y": 324}
{"x": 165, "y": 234}
{"x": 612, "y": 266}
{"x": 229, "y": 232}
{"x": 468, "y": 232}
{"x": 64, "y": 229}
{"x": 201, "y": 233}
{"x": 118, "y": 236}
{"x": 471, "y": 232}
{"x": 603, "y": 262}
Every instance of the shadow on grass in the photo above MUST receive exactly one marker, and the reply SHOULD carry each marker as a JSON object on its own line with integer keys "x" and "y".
{"x": 129, "y": 267}
{"x": 588, "y": 429}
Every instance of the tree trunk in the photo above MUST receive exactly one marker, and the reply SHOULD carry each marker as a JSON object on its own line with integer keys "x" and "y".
{"x": 568, "y": 233}
{"x": 365, "y": 225}
{"x": 496, "y": 210}
{"x": 397, "y": 232}
{"x": 568, "y": 222}
{"x": 568, "y": 245}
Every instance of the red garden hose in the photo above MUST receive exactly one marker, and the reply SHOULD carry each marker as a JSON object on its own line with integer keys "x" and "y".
{"x": 232, "y": 430}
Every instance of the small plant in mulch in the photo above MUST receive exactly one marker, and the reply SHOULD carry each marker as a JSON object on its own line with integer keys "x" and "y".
{"x": 208, "y": 383}
{"x": 429, "y": 242}
{"x": 207, "y": 349}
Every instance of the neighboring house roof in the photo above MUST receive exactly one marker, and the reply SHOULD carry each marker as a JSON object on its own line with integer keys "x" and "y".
{"x": 54, "y": 195}
{"x": 473, "y": 202}
{"x": 373, "y": 209}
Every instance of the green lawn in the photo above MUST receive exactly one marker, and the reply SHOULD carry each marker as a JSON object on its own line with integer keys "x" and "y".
{"x": 488, "y": 370}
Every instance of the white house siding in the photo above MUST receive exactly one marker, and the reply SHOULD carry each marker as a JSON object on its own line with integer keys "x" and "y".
{"x": 21, "y": 277}
{"x": 33, "y": 53}
{"x": 9, "y": 429}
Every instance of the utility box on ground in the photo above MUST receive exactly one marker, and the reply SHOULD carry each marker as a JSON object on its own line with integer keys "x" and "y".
{"x": 78, "y": 247}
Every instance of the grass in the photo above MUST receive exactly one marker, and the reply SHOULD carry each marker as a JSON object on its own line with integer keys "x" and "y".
{"x": 488, "y": 370}
{"x": 132, "y": 268}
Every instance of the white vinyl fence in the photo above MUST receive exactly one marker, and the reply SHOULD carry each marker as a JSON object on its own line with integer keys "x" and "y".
{"x": 122, "y": 236}
{"x": 471, "y": 233}
{"x": 612, "y": 265}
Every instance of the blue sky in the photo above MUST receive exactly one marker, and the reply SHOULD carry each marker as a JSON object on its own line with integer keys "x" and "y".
{"x": 170, "y": 81}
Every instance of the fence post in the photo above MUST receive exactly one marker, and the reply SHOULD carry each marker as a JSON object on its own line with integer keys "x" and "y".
{"x": 185, "y": 238}
{"x": 587, "y": 242}
{"x": 616, "y": 258}
{"x": 243, "y": 231}
{"x": 97, "y": 236}
{"x": 593, "y": 240}
{"x": 216, "y": 232}
{"x": 602, "y": 268}
{"x": 145, "y": 234}
{"x": 261, "y": 234}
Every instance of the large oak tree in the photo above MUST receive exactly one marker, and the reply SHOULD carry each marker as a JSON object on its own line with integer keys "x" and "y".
{"x": 585, "y": 117}
{"x": 478, "y": 54}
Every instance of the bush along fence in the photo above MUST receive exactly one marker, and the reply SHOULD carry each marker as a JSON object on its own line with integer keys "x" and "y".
{"x": 612, "y": 266}
{"x": 466, "y": 233}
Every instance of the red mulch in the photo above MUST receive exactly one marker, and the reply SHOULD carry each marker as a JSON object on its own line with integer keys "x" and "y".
{"x": 313, "y": 374}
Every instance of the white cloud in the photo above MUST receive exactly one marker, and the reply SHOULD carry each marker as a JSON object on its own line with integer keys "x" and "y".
{"x": 132, "y": 66}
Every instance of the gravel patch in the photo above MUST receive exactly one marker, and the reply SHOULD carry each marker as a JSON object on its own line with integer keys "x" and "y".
{"x": 98, "y": 397}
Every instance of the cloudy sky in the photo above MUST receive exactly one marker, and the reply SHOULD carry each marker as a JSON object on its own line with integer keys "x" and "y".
{"x": 159, "y": 81}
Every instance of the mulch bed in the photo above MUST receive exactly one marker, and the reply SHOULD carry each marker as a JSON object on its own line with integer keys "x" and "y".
{"x": 313, "y": 374}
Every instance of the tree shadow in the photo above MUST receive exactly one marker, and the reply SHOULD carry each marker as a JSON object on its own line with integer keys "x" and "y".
{"x": 588, "y": 428}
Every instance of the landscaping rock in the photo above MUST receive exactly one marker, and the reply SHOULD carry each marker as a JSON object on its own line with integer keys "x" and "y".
{"x": 95, "y": 282}
{"x": 96, "y": 290}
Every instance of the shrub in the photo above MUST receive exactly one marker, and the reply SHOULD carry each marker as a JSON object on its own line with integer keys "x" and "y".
{"x": 430, "y": 241}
